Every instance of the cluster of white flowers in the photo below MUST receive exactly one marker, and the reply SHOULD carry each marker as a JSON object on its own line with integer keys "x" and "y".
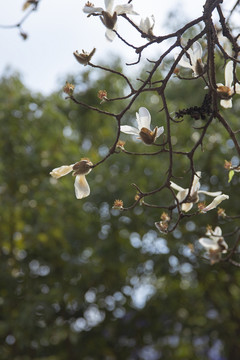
{"x": 193, "y": 60}
{"x": 187, "y": 198}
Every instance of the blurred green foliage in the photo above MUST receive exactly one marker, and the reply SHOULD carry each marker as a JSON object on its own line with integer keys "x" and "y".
{"x": 81, "y": 281}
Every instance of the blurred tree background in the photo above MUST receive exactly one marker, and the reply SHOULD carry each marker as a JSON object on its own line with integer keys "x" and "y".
{"x": 82, "y": 281}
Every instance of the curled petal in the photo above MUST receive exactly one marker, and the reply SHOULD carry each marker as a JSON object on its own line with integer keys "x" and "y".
{"x": 215, "y": 202}
{"x": 229, "y": 74}
{"x": 143, "y": 118}
{"x": 209, "y": 193}
{"x": 209, "y": 244}
{"x": 196, "y": 183}
{"x": 61, "y": 171}
{"x": 176, "y": 187}
{"x": 160, "y": 130}
{"x": 82, "y": 188}
{"x": 130, "y": 130}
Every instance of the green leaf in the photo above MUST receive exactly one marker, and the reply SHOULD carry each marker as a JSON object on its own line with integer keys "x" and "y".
{"x": 230, "y": 175}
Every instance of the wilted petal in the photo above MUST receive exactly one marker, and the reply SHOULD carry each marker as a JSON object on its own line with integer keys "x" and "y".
{"x": 61, "y": 171}
{"x": 226, "y": 103}
{"x": 160, "y": 130}
{"x": 215, "y": 202}
{"x": 125, "y": 9}
{"x": 229, "y": 74}
{"x": 143, "y": 118}
{"x": 82, "y": 188}
{"x": 208, "y": 244}
{"x": 130, "y": 130}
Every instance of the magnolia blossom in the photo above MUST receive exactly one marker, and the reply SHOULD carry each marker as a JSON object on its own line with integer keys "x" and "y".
{"x": 109, "y": 15}
{"x": 193, "y": 197}
{"x": 144, "y": 131}
{"x": 226, "y": 91}
{"x": 80, "y": 170}
{"x": 146, "y": 25}
{"x": 193, "y": 60}
{"x": 214, "y": 243}
{"x": 218, "y": 199}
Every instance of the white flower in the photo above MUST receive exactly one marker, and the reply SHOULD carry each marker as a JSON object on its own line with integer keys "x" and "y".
{"x": 194, "y": 194}
{"x": 226, "y": 91}
{"x": 195, "y": 61}
{"x": 146, "y": 25}
{"x": 80, "y": 170}
{"x": 214, "y": 244}
{"x": 218, "y": 199}
{"x": 226, "y": 44}
{"x": 109, "y": 15}
{"x": 144, "y": 131}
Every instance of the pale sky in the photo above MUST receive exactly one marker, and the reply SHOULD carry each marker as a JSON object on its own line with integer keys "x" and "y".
{"x": 59, "y": 27}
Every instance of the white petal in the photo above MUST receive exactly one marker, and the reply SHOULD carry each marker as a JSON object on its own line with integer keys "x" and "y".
{"x": 196, "y": 183}
{"x": 109, "y": 5}
{"x": 229, "y": 74}
{"x": 82, "y": 188}
{"x": 130, "y": 130}
{"x": 145, "y": 25}
{"x": 61, "y": 171}
{"x": 208, "y": 244}
{"x": 237, "y": 88}
{"x": 176, "y": 187}
{"x": 160, "y": 130}
{"x": 217, "y": 231}
{"x": 110, "y": 35}
{"x": 187, "y": 206}
{"x": 184, "y": 62}
{"x": 125, "y": 9}
{"x": 216, "y": 193}
{"x": 92, "y": 9}
{"x": 197, "y": 52}
{"x": 215, "y": 202}
{"x": 181, "y": 195}
{"x": 143, "y": 118}
{"x": 226, "y": 103}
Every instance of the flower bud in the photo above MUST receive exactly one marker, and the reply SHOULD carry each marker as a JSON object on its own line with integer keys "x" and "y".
{"x": 84, "y": 57}
{"x": 118, "y": 205}
{"x": 68, "y": 88}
